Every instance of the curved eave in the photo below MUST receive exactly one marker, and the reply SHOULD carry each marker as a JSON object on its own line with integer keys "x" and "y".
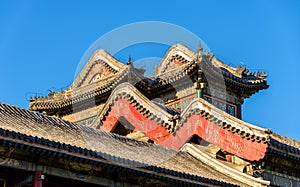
{"x": 284, "y": 147}
{"x": 244, "y": 83}
{"x": 76, "y": 95}
{"x": 103, "y": 86}
{"x": 76, "y": 92}
{"x": 247, "y": 85}
{"x": 234, "y": 77}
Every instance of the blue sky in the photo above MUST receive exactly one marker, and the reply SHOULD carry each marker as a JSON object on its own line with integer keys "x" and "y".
{"x": 42, "y": 42}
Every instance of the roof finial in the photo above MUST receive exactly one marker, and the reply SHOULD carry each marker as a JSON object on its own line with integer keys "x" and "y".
{"x": 200, "y": 48}
{"x": 129, "y": 60}
{"x": 199, "y": 51}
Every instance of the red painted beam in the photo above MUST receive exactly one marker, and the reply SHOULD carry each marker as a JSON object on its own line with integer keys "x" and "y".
{"x": 195, "y": 125}
{"x": 210, "y": 132}
{"x": 122, "y": 108}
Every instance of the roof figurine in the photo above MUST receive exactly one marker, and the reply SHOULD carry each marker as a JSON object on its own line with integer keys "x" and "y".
{"x": 129, "y": 62}
{"x": 199, "y": 51}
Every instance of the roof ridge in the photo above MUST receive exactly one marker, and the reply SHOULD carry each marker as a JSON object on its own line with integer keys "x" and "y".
{"x": 285, "y": 140}
{"x": 242, "y": 177}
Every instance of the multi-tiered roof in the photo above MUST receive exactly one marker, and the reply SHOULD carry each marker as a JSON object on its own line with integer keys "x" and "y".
{"x": 90, "y": 83}
{"x": 108, "y": 95}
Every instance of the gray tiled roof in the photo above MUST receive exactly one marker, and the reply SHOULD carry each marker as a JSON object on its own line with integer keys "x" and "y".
{"x": 112, "y": 147}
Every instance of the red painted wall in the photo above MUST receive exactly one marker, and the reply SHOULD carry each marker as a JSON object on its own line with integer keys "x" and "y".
{"x": 195, "y": 124}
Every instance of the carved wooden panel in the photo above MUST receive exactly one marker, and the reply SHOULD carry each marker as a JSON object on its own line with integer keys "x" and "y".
{"x": 174, "y": 62}
{"x": 102, "y": 73}
{"x": 96, "y": 73}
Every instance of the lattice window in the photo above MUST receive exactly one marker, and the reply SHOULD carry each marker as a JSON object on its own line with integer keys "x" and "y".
{"x": 223, "y": 105}
{"x": 231, "y": 110}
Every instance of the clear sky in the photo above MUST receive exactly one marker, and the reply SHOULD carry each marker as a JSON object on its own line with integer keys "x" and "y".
{"x": 42, "y": 42}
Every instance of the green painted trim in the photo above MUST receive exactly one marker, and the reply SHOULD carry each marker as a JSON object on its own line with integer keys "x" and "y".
{"x": 199, "y": 93}
{"x": 239, "y": 111}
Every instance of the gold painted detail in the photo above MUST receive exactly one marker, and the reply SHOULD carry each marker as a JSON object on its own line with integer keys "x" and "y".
{"x": 5, "y": 155}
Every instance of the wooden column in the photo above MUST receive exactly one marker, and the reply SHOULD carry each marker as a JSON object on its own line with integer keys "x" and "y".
{"x": 36, "y": 181}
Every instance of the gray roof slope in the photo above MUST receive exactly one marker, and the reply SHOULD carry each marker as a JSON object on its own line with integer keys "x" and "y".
{"x": 112, "y": 147}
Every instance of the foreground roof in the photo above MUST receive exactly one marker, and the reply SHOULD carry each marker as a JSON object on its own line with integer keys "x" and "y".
{"x": 23, "y": 127}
